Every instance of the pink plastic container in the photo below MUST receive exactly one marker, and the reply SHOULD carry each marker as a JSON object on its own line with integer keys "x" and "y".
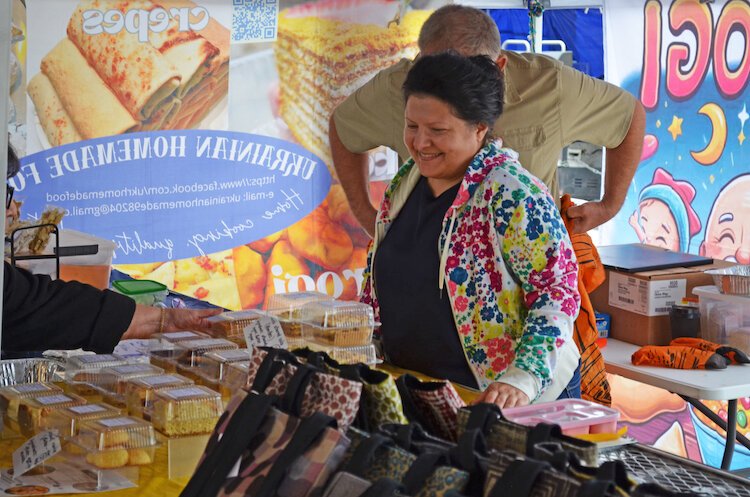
{"x": 575, "y": 416}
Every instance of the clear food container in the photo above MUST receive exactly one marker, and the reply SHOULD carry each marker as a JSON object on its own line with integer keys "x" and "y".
{"x": 186, "y": 411}
{"x": 112, "y": 382}
{"x": 33, "y": 412}
{"x": 116, "y": 442}
{"x": 725, "y": 318}
{"x": 215, "y": 364}
{"x": 144, "y": 292}
{"x": 140, "y": 392}
{"x": 231, "y": 325}
{"x": 165, "y": 358}
{"x": 68, "y": 420}
{"x": 10, "y": 398}
{"x": 81, "y": 371}
{"x": 348, "y": 355}
{"x": 235, "y": 378}
{"x": 286, "y": 307}
{"x": 163, "y": 340}
{"x": 92, "y": 362}
{"x": 338, "y": 323}
{"x": 192, "y": 352}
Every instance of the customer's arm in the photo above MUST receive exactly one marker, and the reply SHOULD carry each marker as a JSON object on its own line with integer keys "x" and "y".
{"x": 538, "y": 252}
{"x": 41, "y": 314}
{"x": 597, "y": 112}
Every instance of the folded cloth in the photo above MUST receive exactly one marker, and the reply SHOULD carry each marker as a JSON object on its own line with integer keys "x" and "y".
{"x": 735, "y": 356}
{"x": 678, "y": 357}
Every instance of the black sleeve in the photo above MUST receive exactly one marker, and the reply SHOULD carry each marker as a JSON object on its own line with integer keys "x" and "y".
{"x": 41, "y": 314}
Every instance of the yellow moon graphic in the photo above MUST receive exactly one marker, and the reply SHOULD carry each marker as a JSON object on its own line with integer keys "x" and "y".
{"x": 718, "y": 141}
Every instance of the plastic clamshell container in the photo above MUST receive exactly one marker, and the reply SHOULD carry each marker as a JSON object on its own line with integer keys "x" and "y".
{"x": 338, "y": 323}
{"x": 575, "y": 416}
{"x": 174, "y": 337}
{"x": 68, "y": 420}
{"x": 733, "y": 280}
{"x": 191, "y": 352}
{"x": 286, "y": 307}
{"x": 10, "y": 397}
{"x": 145, "y": 292}
{"x": 725, "y": 318}
{"x": 140, "y": 392}
{"x": 33, "y": 412}
{"x": 112, "y": 382}
{"x": 215, "y": 364}
{"x": 231, "y": 325}
{"x": 116, "y": 442}
{"x": 186, "y": 411}
{"x": 91, "y": 362}
{"x": 365, "y": 354}
{"x": 165, "y": 358}
{"x": 235, "y": 377}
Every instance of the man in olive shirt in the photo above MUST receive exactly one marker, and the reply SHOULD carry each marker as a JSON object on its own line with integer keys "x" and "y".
{"x": 547, "y": 106}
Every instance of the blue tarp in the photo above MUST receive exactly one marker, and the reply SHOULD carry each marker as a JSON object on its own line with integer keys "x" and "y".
{"x": 580, "y": 29}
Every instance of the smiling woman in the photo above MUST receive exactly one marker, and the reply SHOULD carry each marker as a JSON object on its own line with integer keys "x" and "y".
{"x": 465, "y": 218}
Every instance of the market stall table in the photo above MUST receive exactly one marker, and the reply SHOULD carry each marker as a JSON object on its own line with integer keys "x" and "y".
{"x": 692, "y": 385}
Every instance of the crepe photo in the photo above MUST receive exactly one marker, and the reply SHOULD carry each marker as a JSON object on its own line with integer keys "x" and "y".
{"x": 131, "y": 65}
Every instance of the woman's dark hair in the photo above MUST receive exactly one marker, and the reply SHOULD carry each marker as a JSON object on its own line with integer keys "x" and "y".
{"x": 13, "y": 163}
{"x": 472, "y": 86}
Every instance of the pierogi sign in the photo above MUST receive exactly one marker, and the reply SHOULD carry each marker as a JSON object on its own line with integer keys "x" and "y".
{"x": 142, "y": 21}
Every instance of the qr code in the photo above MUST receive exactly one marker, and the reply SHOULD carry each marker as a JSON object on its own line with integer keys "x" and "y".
{"x": 254, "y": 20}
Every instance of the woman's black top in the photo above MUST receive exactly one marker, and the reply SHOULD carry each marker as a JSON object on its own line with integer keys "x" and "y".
{"x": 418, "y": 330}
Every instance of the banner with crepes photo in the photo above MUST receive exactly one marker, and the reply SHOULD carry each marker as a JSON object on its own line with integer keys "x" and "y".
{"x": 193, "y": 134}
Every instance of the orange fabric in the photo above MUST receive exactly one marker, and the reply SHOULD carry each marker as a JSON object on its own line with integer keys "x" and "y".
{"x": 591, "y": 274}
{"x": 678, "y": 357}
{"x": 696, "y": 343}
{"x": 734, "y": 355}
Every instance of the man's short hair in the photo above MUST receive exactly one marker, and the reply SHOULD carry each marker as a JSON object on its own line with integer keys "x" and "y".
{"x": 466, "y": 30}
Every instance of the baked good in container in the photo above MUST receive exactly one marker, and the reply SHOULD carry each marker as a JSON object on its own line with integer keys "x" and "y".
{"x": 186, "y": 411}
{"x": 115, "y": 442}
{"x": 140, "y": 392}
{"x": 33, "y": 412}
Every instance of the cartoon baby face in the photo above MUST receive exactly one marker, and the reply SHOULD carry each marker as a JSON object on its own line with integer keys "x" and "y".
{"x": 728, "y": 228}
{"x": 659, "y": 225}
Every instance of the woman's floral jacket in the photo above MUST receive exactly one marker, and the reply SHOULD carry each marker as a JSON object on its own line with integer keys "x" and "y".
{"x": 510, "y": 270}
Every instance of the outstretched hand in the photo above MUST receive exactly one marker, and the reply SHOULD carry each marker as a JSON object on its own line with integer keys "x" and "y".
{"x": 189, "y": 319}
{"x": 148, "y": 320}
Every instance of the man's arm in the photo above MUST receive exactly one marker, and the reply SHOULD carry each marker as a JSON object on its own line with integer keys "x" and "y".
{"x": 622, "y": 162}
{"x": 353, "y": 174}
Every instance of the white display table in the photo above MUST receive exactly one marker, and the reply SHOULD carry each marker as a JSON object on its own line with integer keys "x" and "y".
{"x": 727, "y": 384}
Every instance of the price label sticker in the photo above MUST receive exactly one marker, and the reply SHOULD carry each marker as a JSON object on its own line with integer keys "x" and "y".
{"x": 265, "y": 332}
{"x": 35, "y": 451}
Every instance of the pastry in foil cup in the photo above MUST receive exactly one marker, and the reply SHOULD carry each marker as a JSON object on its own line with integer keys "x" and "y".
{"x": 734, "y": 280}
{"x": 17, "y": 371}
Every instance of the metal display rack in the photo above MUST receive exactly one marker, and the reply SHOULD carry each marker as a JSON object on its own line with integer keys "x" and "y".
{"x": 648, "y": 465}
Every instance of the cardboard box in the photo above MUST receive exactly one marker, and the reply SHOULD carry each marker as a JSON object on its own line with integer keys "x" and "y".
{"x": 639, "y": 302}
